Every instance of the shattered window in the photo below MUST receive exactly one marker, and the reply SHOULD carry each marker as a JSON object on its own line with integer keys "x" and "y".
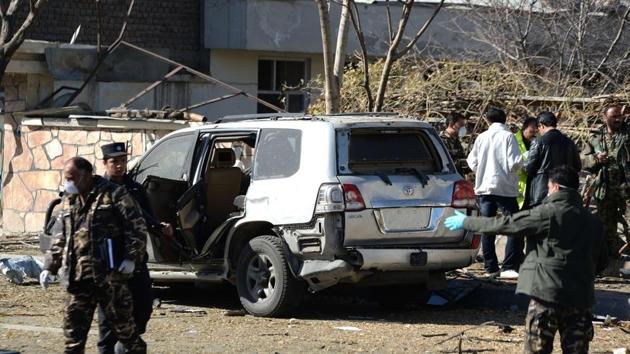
{"x": 167, "y": 160}
{"x": 278, "y": 153}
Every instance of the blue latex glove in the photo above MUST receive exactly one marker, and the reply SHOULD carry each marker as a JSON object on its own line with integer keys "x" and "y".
{"x": 455, "y": 222}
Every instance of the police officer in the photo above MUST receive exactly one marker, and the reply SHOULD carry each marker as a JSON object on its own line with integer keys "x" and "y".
{"x": 99, "y": 238}
{"x": 607, "y": 156}
{"x": 556, "y": 273}
{"x": 115, "y": 162}
{"x": 456, "y": 128}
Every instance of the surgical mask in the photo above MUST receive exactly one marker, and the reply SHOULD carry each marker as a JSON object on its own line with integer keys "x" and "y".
{"x": 70, "y": 188}
{"x": 462, "y": 132}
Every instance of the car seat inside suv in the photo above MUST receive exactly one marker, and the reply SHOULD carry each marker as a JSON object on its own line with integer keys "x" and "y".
{"x": 223, "y": 184}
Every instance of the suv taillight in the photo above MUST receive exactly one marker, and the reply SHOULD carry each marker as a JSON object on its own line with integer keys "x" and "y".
{"x": 352, "y": 197}
{"x": 464, "y": 195}
{"x": 329, "y": 199}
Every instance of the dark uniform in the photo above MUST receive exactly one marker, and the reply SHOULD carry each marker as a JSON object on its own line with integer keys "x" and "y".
{"x": 88, "y": 238}
{"x": 559, "y": 270}
{"x": 456, "y": 150}
{"x": 611, "y": 185}
{"x": 140, "y": 283}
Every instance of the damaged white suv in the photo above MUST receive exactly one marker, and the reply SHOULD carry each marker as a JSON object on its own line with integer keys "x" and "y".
{"x": 279, "y": 204}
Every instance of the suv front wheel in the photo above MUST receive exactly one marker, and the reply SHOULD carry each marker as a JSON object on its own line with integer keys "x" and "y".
{"x": 265, "y": 284}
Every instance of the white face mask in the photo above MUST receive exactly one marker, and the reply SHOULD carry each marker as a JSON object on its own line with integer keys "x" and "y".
{"x": 70, "y": 188}
{"x": 462, "y": 132}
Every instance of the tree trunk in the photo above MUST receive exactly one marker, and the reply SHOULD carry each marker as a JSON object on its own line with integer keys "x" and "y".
{"x": 392, "y": 56}
{"x": 329, "y": 79}
{"x": 340, "y": 54}
{"x": 12, "y": 36}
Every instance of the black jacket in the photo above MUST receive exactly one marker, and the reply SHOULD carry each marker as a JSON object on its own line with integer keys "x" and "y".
{"x": 553, "y": 149}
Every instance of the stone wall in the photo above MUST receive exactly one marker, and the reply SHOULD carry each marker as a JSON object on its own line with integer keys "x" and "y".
{"x": 34, "y": 159}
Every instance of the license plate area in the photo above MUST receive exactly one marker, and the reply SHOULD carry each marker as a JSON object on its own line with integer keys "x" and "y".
{"x": 395, "y": 220}
{"x": 418, "y": 259}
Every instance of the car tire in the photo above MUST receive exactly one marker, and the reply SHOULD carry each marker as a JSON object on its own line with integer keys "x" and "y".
{"x": 265, "y": 284}
{"x": 400, "y": 297}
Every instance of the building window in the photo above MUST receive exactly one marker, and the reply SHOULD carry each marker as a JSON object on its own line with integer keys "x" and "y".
{"x": 279, "y": 83}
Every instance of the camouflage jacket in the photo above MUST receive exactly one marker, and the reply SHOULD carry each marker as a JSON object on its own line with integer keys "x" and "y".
{"x": 615, "y": 173}
{"x": 456, "y": 150}
{"x": 83, "y": 232}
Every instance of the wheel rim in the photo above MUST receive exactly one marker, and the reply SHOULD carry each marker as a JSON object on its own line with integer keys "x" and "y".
{"x": 261, "y": 278}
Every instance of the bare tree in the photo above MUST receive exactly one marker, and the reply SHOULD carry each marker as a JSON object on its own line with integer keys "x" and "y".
{"x": 396, "y": 50}
{"x": 12, "y": 31}
{"x": 331, "y": 89}
{"x": 333, "y": 73}
{"x": 579, "y": 45}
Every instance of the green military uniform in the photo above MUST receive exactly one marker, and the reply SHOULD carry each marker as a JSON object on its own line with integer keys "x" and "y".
{"x": 90, "y": 237}
{"x": 456, "y": 150}
{"x": 610, "y": 187}
{"x": 556, "y": 272}
{"x": 522, "y": 175}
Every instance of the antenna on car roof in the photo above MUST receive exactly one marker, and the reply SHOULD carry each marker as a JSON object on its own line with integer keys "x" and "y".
{"x": 270, "y": 116}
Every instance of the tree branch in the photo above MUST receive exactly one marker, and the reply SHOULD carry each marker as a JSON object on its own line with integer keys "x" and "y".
{"x": 422, "y": 30}
{"x": 17, "y": 39}
{"x": 356, "y": 24}
{"x": 612, "y": 45}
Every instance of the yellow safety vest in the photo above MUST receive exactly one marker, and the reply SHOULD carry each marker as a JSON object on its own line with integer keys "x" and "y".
{"x": 522, "y": 175}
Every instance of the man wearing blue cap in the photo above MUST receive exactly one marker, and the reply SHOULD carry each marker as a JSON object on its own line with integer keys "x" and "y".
{"x": 565, "y": 250}
{"x": 115, "y": 162}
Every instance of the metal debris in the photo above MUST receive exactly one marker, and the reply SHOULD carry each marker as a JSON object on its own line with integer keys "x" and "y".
{"x": 16, "y": 269}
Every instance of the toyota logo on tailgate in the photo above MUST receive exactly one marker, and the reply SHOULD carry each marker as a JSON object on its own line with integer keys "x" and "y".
{"x": 408, "y": 190}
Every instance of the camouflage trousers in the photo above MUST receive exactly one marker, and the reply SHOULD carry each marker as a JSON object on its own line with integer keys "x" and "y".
{"x": 544, "y": 319}
{"x": 116, "y": 301}
{"x": 611, "y": 212}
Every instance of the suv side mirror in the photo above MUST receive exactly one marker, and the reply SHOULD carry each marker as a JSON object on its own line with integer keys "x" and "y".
{"x": 239, "y": 202}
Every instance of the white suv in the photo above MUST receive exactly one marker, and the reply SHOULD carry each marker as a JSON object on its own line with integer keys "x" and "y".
{"x": 277, "y": 204}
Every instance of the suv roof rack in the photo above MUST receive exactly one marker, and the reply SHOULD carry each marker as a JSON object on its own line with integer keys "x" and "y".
{"x": 272, "y": 116}
{"x": 371, "y": 114}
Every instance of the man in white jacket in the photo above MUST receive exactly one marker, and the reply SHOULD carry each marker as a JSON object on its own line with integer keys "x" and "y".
{"x": 496, "y": 159}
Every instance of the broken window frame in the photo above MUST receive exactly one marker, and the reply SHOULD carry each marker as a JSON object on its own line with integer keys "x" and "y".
{"x": 284, "y": 96}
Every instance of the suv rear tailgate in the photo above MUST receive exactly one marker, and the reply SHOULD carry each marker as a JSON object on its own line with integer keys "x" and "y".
{"x": 406, "y": 181}
{"x": 403, "y": 213}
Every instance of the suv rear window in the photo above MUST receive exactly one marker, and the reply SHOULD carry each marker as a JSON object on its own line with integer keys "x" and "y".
{"x": 392, "y": 152}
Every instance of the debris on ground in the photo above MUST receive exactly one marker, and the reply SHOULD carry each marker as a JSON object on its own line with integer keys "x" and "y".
{"x": 605, "y": 321}
{"x": 183, "y": 309}
{"x": 348, "y": 328}
{"x": 235, "y": 313}
{"x": 16, "y": 269}
{"x": 455, "y": 291}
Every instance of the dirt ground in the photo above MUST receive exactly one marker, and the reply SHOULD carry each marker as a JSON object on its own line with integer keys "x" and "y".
{"x": 30, "y": 322}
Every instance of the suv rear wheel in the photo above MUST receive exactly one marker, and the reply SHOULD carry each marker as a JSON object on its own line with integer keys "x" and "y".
{"x": 265, "y": 284}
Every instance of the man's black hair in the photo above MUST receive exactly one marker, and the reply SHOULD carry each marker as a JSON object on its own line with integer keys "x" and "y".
{"x": 495, "y": 115}
{"x": 565, "y": 176}
{"x": 529, "y": 121}
{"x": 453, "y": 118}
{"x": 81, "y": 164}
{"x": 548, "y": 119}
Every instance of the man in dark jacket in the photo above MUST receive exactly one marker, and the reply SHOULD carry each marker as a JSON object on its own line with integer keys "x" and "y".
{"x": 99, "y": 238}
{"x": 115, "y": 161}
{"x": 551, "y": 149}
{"x": 562, "y": 236}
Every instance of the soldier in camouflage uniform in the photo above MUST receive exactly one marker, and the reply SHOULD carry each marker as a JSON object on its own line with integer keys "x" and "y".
{"x": 564, "y": 252}
{"x": 456, "y": 126}
{"x": 99, "y": 237}
{"x": 607, "y": 156}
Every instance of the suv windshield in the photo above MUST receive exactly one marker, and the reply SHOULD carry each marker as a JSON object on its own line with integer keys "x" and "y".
{"x": 392, "y": 152}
